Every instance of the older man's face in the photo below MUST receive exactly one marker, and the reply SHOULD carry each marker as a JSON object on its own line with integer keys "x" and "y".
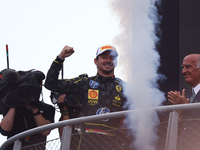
{"x": 190, "y": 70}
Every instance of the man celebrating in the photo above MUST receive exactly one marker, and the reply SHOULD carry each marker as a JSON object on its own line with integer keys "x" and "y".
{"x": 97, "y": 95}
{"x": 191, "y": 71}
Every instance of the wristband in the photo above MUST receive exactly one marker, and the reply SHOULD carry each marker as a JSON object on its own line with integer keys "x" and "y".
{"x": 37, "y": 113}
{"x": 61, "y": 105}
{"x": 64, "y": 112}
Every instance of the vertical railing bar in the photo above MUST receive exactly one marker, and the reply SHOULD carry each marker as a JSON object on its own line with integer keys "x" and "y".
{"x": 66, "y": 138}
{"x": 172, "y": 131}
{"x": 17, "y": 145}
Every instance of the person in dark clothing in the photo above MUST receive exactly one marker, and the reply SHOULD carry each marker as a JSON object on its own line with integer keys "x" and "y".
{"x": 17, "y": 120}
{"x": 24, "y": 114}
{"x": 97, "y": 95}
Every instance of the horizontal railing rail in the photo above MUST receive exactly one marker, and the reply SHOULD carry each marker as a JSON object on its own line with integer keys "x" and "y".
{"x": 94, "y": 118}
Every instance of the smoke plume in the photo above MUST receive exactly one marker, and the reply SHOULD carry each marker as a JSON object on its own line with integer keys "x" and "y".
{"x": 139, "y": 22}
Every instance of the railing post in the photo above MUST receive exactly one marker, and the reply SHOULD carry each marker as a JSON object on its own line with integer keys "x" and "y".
{"x": 172, "y": 131}
{"x": 17, "y": 145}
{"x": 66, "y": 138}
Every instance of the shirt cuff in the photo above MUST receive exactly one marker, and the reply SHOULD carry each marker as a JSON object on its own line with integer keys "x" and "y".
{"x": 58, "y": 60}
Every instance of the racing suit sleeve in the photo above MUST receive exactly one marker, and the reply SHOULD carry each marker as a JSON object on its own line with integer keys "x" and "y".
{"x": 61, "y": 86}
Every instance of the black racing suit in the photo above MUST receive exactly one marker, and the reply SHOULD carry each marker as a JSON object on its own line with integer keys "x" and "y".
{"x": 97, "y": 95}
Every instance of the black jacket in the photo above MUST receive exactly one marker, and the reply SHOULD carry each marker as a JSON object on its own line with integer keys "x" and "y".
{"x": 24, "y": 120}
{"x": 96, "y": 94}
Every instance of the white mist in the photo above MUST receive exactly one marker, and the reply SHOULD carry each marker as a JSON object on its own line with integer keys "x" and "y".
{"x": 140, "y": 61}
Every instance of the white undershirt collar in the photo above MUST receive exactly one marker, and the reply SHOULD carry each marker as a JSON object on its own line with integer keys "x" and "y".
{"x": 197, "y": 88}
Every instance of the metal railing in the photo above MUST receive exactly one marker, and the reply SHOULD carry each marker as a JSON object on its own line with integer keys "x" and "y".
{"x": 170, "y": 132}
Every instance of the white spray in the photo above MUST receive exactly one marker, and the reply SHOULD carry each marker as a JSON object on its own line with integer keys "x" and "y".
{"x": 140, "y": 60}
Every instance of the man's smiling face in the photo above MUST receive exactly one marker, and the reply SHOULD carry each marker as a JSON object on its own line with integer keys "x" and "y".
{"x": 105, "y": 64}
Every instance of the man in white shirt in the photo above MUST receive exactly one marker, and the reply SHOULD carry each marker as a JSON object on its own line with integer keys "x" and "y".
{"x": 191, "y": 72}
{"x": 189, "y": 129}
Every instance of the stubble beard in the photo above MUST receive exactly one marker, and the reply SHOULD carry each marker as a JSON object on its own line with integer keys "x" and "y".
{"x": 106, "y": 71}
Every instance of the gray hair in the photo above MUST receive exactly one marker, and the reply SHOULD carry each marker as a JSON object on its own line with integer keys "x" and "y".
{"x": 198, "y": 62}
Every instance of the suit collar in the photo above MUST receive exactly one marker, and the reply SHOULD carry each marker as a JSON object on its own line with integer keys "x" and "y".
{"x": 196, "y": 98}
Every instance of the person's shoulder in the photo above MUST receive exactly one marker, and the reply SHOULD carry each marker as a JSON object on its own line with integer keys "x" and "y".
{"x": 118, "y": 80}
{"x": 122, "y": 82}
{"x": 93, "y": 77}
{"x": 83, "y": 75}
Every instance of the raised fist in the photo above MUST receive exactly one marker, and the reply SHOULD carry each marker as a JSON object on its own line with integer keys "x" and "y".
{"x": 66, "y": 52}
